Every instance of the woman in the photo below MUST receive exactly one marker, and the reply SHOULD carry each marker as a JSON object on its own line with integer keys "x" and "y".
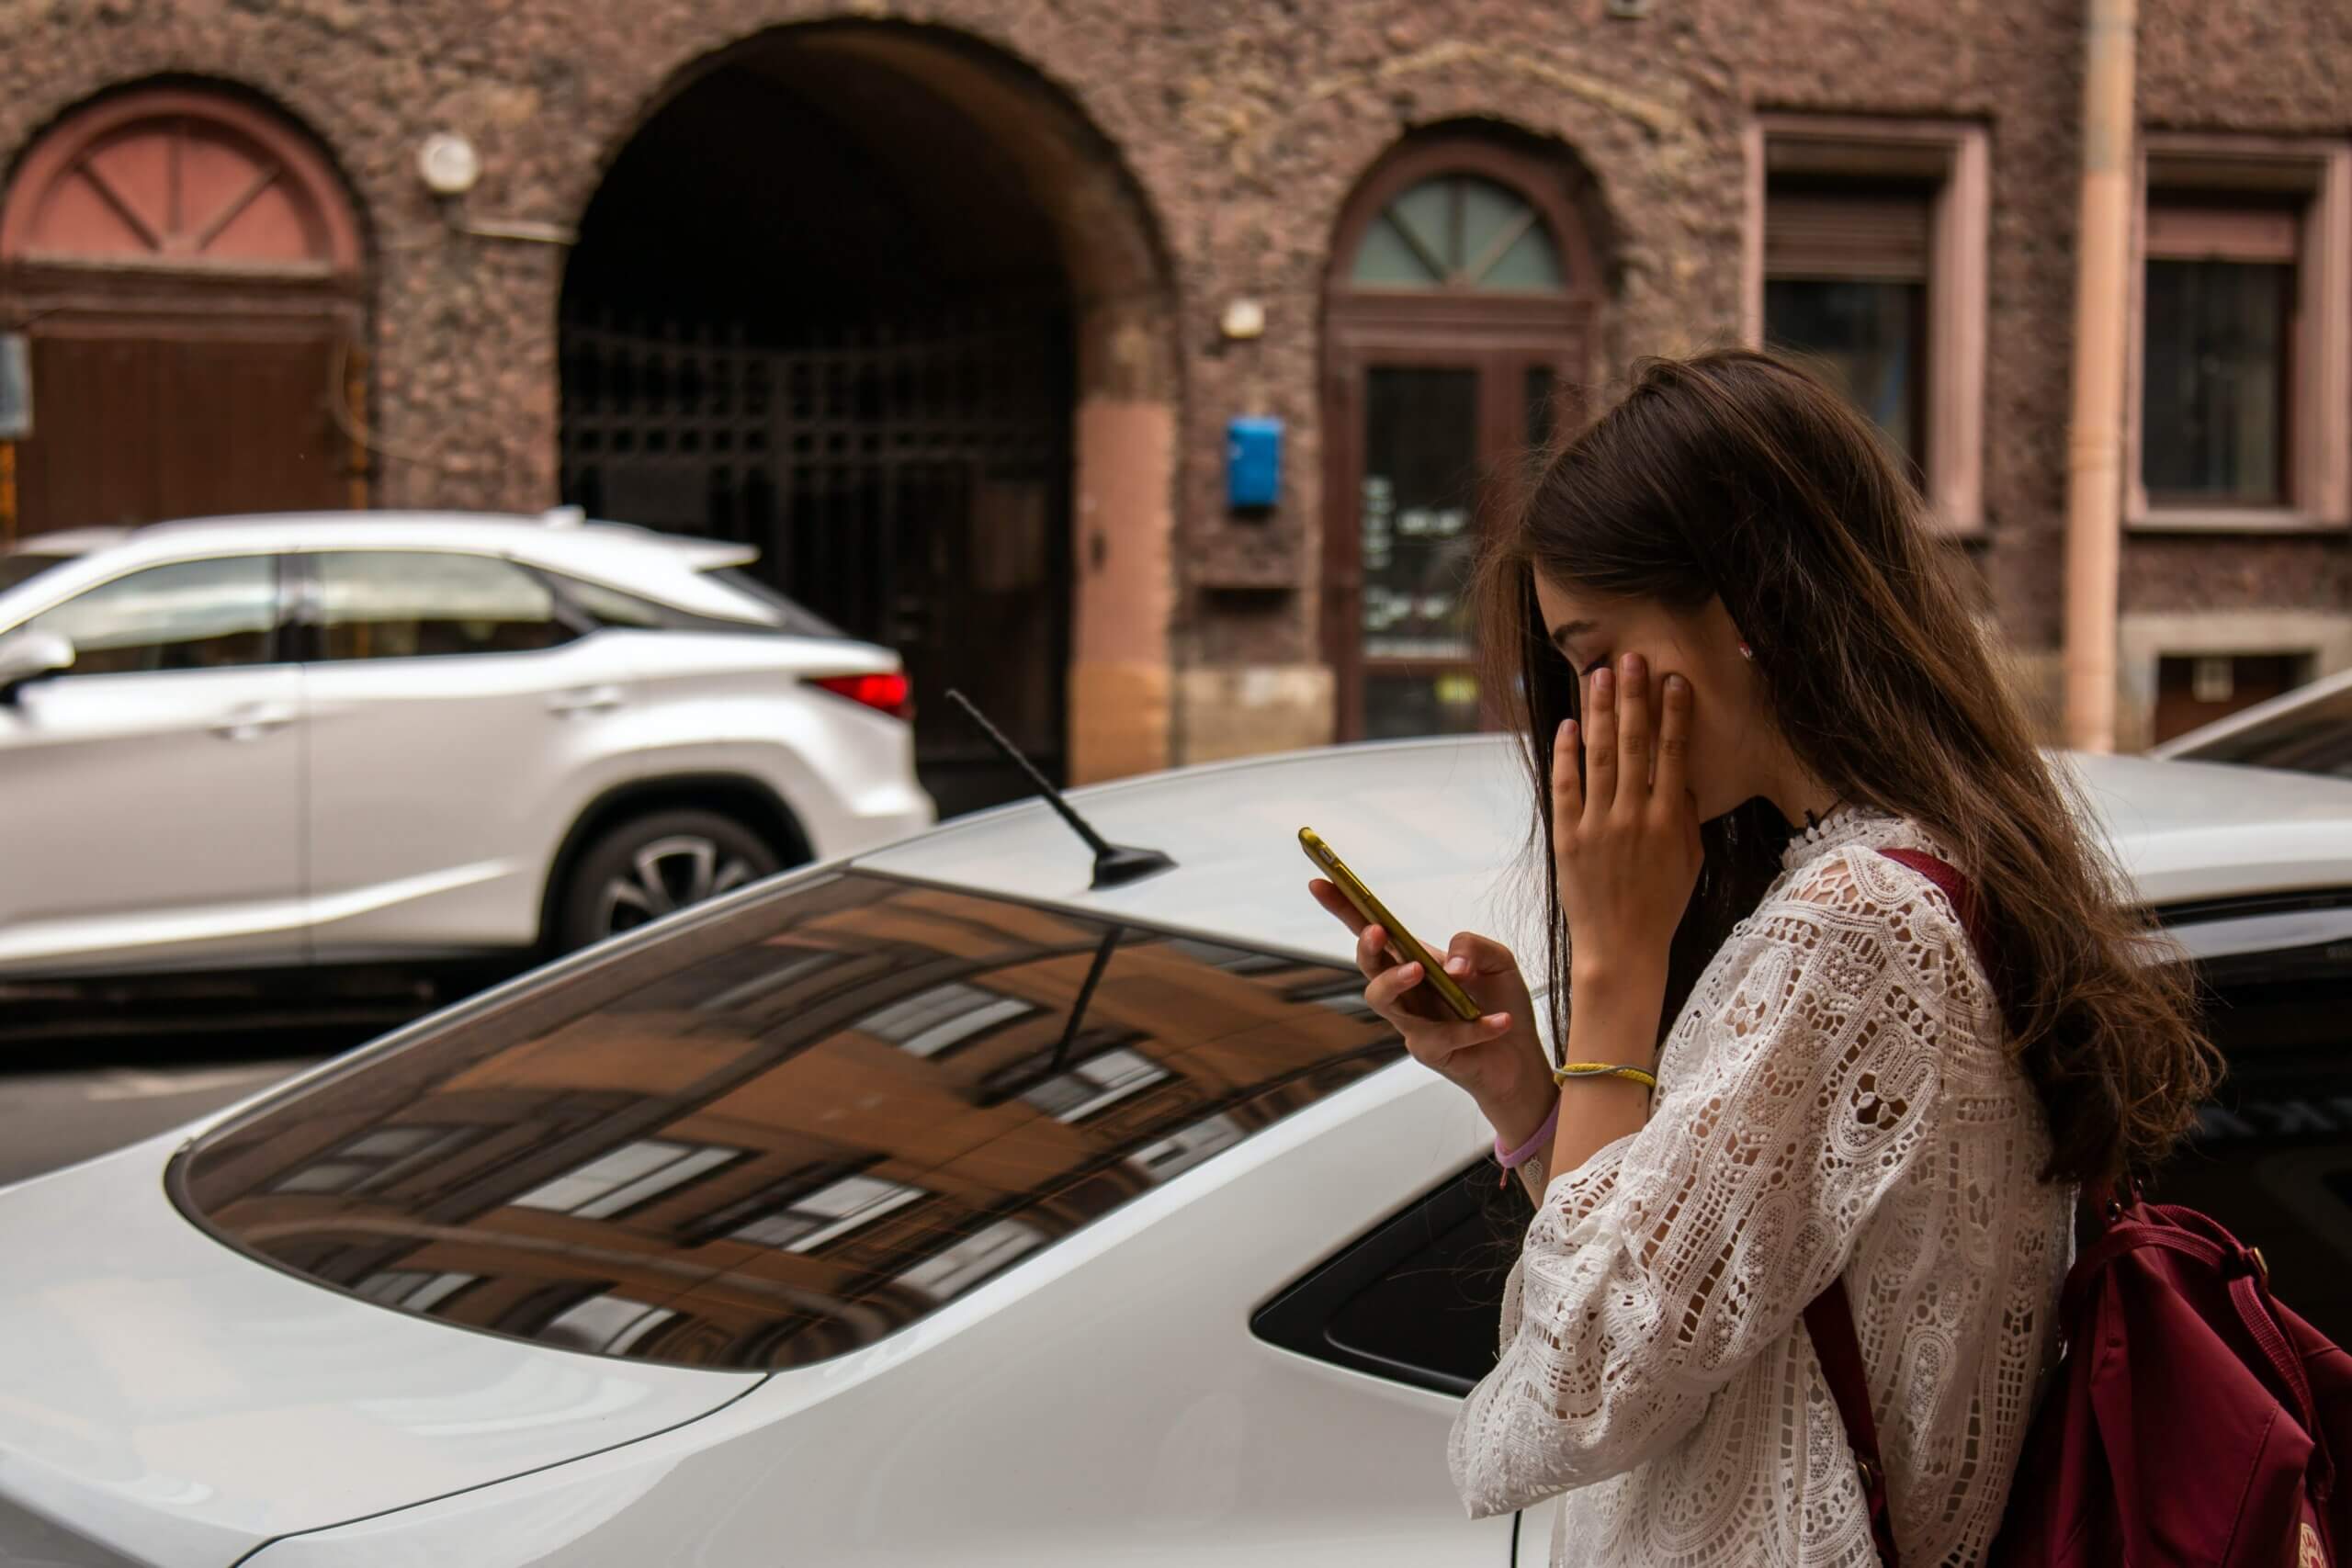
{"x": 1745, "y": 675}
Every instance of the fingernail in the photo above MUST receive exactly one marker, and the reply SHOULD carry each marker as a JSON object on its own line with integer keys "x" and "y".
{"x": 1635, "y": 667}
{"x": 1569, "y": 730}
{"x": 1410, "y": 971}
{"x": 1496, "y": 1020}
{"x": 1677, "y": 685}
{"x": 1602, "y": 680}
{"x": 1457, "y": 964}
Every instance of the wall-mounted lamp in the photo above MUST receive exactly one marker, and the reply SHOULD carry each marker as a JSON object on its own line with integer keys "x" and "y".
{"x": 1243, "y": 319}
{"x": 447, "y": 163}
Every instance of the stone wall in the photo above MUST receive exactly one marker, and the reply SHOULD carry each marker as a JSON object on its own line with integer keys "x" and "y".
{"x": 1238, "y": 131}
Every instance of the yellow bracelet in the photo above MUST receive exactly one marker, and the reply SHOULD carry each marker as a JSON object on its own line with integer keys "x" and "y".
{"x": 1566, "y": 1070}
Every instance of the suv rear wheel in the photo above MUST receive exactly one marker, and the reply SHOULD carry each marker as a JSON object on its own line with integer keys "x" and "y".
{"x": 650, "y": 865}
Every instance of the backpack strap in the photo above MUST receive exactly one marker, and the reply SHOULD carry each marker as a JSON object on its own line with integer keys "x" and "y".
{"x": 1829, "y": 1317}
{"x": 1957, "y": 888}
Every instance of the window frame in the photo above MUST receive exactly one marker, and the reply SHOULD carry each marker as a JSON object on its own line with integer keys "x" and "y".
{"x": 1954, "y": 157}
{"x": 689, "y": 1166}
{"x": 2317, "y": 477}
{"x": 2142, "y": 639}
{"x": 305, "y": 626}
{"x": 283, "y": 645}
{"x": 785, "y": 1199}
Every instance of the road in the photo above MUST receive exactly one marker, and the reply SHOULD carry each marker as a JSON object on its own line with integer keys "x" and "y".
{"x": 60, "y": 1103}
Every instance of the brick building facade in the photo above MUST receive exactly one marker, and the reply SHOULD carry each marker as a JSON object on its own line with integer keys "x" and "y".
{"x": 947, "y": 305}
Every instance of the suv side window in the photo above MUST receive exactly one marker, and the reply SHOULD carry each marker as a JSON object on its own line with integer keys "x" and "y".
{"x": 2271, "y": 1156}
{"x": 423, "y": 604}
{"x": 197, "y": 614}
{"x": 1419, "y": 1299}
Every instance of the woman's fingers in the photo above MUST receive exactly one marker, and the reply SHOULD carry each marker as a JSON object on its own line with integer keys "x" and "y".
{"x": 1429, "y": 1037}
{"x": 1674, "y": 743}
{"x": 1335, "y": 903}
{"x": 1470, "y": 954}
{"x": 1633, "y": 757}
{"x": 1567, "y": 780}
{"x": 1600, "y": 744}
{"x": 1372, "y": 952}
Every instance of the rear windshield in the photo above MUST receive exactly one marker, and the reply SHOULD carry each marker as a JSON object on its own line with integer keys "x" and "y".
{"x": 793, "y": 617}
{"x": 783, "y": 1133}
{"x": 2315, "y": 738}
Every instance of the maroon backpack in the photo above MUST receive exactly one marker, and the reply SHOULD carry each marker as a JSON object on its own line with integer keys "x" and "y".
{"x": 2194, "y": 1419}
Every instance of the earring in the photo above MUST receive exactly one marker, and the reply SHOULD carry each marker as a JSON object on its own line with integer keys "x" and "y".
{"x": 1747, "y": 653}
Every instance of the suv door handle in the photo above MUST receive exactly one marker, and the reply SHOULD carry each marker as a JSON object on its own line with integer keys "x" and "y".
{"x": 250, "y": 721}
{"x": 585, "y": 699}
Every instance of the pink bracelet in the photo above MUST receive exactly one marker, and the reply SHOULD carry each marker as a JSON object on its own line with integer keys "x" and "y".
{"x": 1512, "y": 1159}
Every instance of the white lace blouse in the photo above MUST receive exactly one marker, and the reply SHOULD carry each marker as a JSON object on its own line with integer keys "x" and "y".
{"x": 1835, "y": 1096}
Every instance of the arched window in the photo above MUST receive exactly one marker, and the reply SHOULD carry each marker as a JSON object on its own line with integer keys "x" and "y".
{"x": 178, "y": 178}
{"x": 1461, "y": 302}
{"x": 1459, "y": 230}
{"x": 187, "y": 269}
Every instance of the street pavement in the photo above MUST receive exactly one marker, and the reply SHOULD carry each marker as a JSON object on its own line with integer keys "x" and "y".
{"x": 68, "y": 1102}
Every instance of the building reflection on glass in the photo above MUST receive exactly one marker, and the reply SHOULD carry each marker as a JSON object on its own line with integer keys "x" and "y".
{"x": 779, "y": 1136}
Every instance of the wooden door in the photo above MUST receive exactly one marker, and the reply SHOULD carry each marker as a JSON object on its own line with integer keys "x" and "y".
{"x": 138, "y": 424}
{"x": 188, "y": 269}
{"x": 1458, "y": 328}
{"x": 1430, "y": 444}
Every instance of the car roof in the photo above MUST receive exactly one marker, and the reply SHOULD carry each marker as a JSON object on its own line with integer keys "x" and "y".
{"x": 69, "y": 542}
{"x": 2329, "y": 697}
{"x": 645, "y": 561}
{"x": 1439, "y": 829}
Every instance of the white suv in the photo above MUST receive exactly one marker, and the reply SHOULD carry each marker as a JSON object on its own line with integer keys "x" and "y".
{"x": 396, "y": 737}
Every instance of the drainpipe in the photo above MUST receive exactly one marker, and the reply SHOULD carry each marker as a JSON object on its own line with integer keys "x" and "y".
{"x": 2095, "y": 441}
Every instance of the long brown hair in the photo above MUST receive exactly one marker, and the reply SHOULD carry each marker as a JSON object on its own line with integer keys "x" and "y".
{"x": 1736, "y": 476}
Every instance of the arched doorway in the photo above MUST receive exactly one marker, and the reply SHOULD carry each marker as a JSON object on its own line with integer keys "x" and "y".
{"x": 187, "y": 271}
{"x": 850, "y": 296}
{"x": 1459, "y": 316}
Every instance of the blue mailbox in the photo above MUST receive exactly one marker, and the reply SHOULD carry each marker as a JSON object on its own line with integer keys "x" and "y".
{"x": 1253, "y": 461}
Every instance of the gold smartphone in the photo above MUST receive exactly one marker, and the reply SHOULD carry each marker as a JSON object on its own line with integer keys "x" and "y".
{"x": 1401, "y": 940}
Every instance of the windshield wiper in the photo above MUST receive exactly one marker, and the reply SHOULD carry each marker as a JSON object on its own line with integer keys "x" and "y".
{"x": 1114, "y": 863}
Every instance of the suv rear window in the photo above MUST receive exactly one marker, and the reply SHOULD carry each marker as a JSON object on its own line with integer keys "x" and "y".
{"x": 782, "y": 1131}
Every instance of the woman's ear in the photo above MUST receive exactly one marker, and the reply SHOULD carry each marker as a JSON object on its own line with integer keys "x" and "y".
{"x": 1724, "y": 638}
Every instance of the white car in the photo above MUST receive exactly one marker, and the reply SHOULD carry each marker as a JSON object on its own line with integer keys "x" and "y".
{"x": 333, "y": 738}
{"x": 934, "y": 1206}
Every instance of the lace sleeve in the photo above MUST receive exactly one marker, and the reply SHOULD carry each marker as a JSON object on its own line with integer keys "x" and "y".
{"x": 1803, "y": 1072}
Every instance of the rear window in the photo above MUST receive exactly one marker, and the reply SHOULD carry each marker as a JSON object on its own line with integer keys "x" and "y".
{"x": 2316, "y": 739}
{"x": 792, "y": 617}
{"x": 783, "y": 1133}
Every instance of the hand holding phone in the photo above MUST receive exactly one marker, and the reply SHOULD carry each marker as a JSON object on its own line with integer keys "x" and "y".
{"x": 1496, "y": 1056}
{"x": 1401, "y": 942}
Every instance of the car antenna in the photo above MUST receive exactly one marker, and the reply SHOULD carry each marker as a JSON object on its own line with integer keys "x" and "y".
{"x": 1114, "y": 863}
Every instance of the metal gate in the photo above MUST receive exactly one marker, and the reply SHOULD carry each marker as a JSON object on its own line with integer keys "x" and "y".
{"x": 909, "y": 480}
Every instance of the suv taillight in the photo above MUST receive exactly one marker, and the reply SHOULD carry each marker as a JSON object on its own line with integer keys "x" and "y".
{"x": 892, "y": 694}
